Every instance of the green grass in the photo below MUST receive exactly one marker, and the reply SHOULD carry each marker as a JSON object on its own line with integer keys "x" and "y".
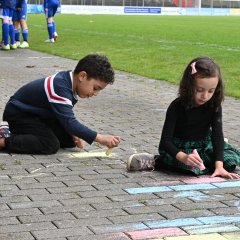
{"x": 158, "y": 47}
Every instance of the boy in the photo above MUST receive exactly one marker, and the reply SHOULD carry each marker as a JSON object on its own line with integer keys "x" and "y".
{"x": 20, "y": 19}
{"x": 40, "y": 114}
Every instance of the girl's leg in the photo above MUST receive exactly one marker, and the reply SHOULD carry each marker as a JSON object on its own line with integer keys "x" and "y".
{"x": 231, "y": 157}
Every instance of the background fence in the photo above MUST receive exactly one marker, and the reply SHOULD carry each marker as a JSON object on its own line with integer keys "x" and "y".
{"x": 153, "y": 3}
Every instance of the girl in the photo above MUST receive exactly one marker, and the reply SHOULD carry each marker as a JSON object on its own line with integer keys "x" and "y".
{"x": 50, "y": 8}
{"x": 193, "y": 125}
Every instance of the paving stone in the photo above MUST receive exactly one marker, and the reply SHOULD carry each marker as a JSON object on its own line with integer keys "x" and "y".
{"x": 58, "y": 233}
{"x": 20, "y": 212}
{"x": 34, "y": 204}
{"x": 108, "y": 236}
{"x": 14, "y": 228}
{"x": 100, "y": 213}
{"x": 62, "y": 209}
{"x": 46, "y": 217}
{"x": 151, "y": 209}
{"x": 150, "y": 234}
{"x": 210, "y": 229}
{"x": 75, "y": 223}
{"x": 197, "y": 237}
{"x": 186, "y": 214}
{"x": 17, "y": 236}
{"x": 231, "y": 236}
{"x": 135, "y": 218}
{"x": 118, "y": 228}
{"x": 199, "y": 205}
{"x": 8, "y": 221}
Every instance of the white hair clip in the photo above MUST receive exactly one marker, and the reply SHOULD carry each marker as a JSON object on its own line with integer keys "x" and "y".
{"x": 193, "y": 68}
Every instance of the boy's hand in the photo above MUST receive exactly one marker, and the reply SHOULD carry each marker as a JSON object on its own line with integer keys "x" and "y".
{"x": 108, "y": 140}
{"x": 79, "y": 142}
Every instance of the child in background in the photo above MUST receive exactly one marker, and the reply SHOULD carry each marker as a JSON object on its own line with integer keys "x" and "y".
{"x": 1, "y": 17}
{"x": 7, "y": 24}
{"x": 50, "y": 8}
{"x": 19, "y": 20}
{"x": 194, "y": 122}
{"x": 40, "y": 114}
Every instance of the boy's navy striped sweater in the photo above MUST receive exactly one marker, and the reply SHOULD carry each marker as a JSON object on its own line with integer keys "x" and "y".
{"x": 52, "y": 98}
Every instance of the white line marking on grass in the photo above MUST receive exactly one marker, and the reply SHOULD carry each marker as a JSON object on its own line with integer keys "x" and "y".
{"x": 135, "y": 39}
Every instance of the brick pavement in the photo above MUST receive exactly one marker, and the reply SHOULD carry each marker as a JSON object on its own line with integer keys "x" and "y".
{"x": 82, "y": 194}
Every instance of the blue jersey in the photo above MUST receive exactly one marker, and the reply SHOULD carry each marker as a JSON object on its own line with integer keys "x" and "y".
{"x": 52, "y": 98}
{"x": 21, "y": 3}
{"x": 22, "y": 13}
{"x": 8, "y": 4}
{"x": 50, "y": 3}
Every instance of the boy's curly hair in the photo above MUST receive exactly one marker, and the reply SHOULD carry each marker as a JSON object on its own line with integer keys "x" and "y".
{"x": 96, "y": 66}
{"x": 205, "y": 67}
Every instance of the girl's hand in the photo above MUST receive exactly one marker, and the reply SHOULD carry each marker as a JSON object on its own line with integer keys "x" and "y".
{"x": 221, "y": 172}
{"x": 224, "y": 173}
{"x": 189, "y": 159}
{"x": 108, "y": 140}
{"x": 79, "y": 142}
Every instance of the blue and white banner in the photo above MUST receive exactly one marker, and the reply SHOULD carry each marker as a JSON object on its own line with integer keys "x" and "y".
{"x": 121, "y": 10}
{"x": 38, "y": 8}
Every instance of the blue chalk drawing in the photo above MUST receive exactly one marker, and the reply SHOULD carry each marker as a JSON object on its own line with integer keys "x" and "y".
{"x": 147, "y": 190}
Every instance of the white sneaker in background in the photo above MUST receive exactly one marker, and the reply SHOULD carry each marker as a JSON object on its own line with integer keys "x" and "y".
{"x": 17, "y": 43}
{"x": 24, "y": 44}
{"x": 50, "y": 40}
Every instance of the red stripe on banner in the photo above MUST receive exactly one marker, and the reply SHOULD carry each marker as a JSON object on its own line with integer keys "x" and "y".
{"x": 50, "y": 91}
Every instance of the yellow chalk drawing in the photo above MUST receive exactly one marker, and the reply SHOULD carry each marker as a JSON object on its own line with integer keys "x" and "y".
{"x": 108, "y": 151}
{"x": 91, "y": 154}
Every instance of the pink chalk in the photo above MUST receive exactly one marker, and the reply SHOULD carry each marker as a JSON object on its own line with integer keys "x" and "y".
{"x": 153, "y": 233}
{"x": 201, "y": 167}
{"x": 204, "y": 180}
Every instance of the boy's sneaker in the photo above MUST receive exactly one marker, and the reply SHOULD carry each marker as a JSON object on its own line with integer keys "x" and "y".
{"x": 24, "y": 44}
{"x": 6, "y": 47}
{"x": 4, "y": 131}
{"x": 55, "y": 36}
{"x": 50, "y": 40}
{"x": 141, "y": 161}
{"x": 13, "y": 46}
